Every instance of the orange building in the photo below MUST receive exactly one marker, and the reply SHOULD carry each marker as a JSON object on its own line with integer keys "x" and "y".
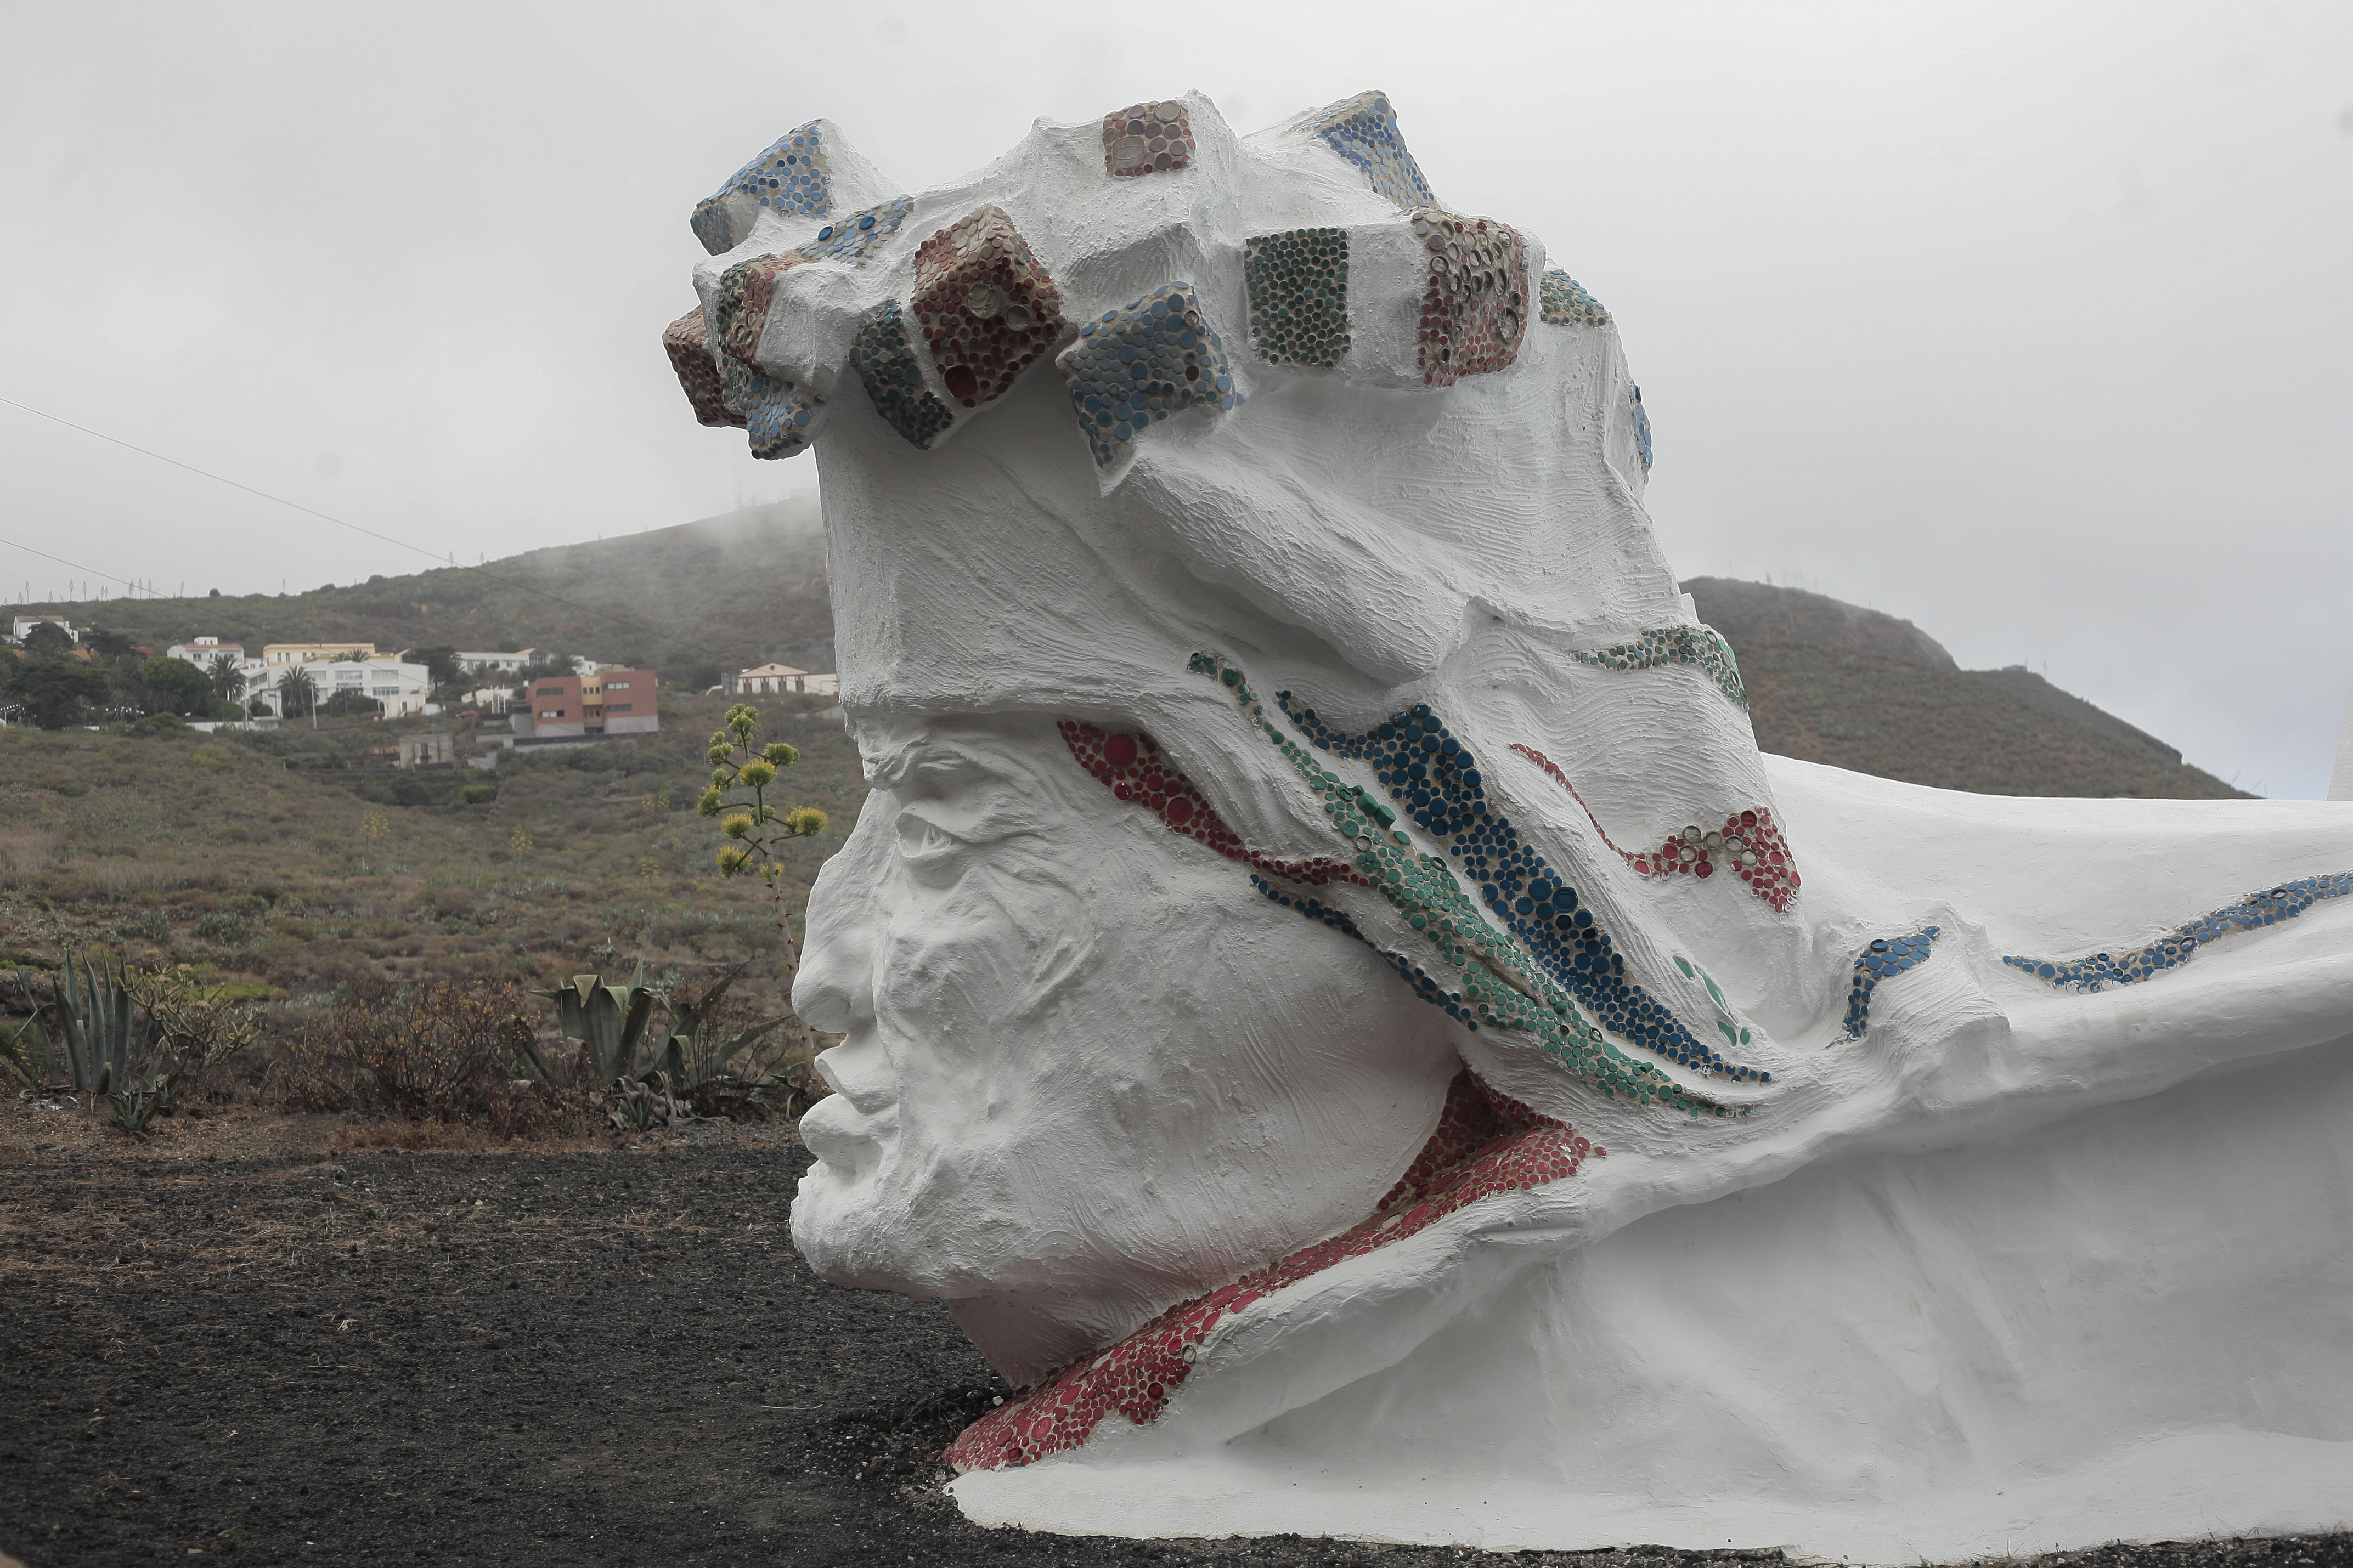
{"x": 609, "y": 702}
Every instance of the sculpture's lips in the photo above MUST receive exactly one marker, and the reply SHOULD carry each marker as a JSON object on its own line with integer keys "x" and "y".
{"x": 844, "y": 1136}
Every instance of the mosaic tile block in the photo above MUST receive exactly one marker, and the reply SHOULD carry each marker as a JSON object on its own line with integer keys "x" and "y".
{"x": 1364, "y": 131}
{"x": 1434, "y": 778}
{"x": 985, "y": 306}
{"x": 1727, "y": 1022}
{"x": 687, "y": 342}
{"x": 1641, "y": 430}
{"x": 885, "y": 358}
{"x": 2271, "y": 907}
{"x": 1136, "y": 366}
{"x": 740, "y": 308}
{"x": 1298, "y": 283}
{"x": 1475, "y": 309}
{"x": 1148, "y": 139}
{"x": 855, "y": 238}
{"x": 1661, "y": 646}
{"x": 1562, "y": 301}
{"x": 1485, "y": 1142}
{"x": 1884, "y": 959}
{"x": 791, "y": 176}
{"x": 780, "y": 419}
{"x": 1748, "y": 845}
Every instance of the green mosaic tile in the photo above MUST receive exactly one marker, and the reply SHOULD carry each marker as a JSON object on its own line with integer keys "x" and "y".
{"x": 1298, "y": 282}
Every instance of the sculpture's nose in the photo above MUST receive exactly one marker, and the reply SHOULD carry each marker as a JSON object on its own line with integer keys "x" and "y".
{"x": 835, "y": 988}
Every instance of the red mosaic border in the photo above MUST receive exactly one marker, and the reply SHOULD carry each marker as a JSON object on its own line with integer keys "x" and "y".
{"x": 1772, "y": 876}
{"x": 1486, "y": 1142}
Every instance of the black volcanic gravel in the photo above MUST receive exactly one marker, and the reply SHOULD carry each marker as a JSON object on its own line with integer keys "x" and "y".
{"x": 519, "y": 1358}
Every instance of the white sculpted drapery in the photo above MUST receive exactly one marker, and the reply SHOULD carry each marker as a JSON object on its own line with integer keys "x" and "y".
{"x": 1338, "y": 1004}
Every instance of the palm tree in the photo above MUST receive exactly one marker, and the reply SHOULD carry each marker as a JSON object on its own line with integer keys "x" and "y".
{"x": 298, "y": 693}
{"x": 228, "y": 676}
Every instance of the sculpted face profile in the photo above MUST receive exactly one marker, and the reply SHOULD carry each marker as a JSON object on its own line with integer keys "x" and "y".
{"x": 1338, "y": 1005}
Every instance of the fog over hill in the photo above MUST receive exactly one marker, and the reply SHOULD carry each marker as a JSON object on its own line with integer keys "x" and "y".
{"x": 1829, "y": 681}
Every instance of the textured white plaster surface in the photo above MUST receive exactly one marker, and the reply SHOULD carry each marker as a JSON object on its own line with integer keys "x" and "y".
{"x": 2019, "y": 1267}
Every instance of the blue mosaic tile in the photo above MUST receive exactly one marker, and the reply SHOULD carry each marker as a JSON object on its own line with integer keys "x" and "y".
{"x": 1298, "y": 283}
{"x": 1364, "y": 131}
{"x": 779, "y": 418}
{"x": 2178, "y": 946}
{"x": 1436, "y": 780}
{"x": 885, "y": 358}
{"x": 854, "y": 239}
{"x": 1641, "y": 430}
{"x": 1562, "y": 301}
{"x": 1701, "y": 646}
{"x": 1134, "y": 366}
{"x": 1884, "y": 959}
{"x": 790, "y": 176}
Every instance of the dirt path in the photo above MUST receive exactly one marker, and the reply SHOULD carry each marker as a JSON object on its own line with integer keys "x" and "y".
{"x": 528, "y": 1357}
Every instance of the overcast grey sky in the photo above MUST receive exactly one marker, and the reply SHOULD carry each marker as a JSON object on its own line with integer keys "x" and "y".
{"x": 2027, "y": 321}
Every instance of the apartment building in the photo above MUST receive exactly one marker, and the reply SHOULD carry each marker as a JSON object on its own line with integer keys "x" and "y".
{"x": 780, "y": 678}
{"x": 613, "y": 702}
{"x": 306, "y": 652}
{"x": 401, "y": 688}
{"x": 495, "y": 663}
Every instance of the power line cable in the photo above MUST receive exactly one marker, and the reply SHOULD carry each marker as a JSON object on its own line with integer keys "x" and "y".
{"x": 451, "y": 563}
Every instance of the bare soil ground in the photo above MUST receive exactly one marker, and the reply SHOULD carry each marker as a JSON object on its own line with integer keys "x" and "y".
{"x": 278, "y": 1340}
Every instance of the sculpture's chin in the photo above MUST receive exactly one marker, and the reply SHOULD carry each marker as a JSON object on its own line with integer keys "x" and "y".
{"x": 835, "y": 1230}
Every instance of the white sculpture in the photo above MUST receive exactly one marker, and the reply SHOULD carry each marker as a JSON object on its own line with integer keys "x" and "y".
{"x": 1339, "y": 1007}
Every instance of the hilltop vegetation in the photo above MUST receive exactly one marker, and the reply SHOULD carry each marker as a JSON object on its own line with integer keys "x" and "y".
{"x": 1831, "y": 682}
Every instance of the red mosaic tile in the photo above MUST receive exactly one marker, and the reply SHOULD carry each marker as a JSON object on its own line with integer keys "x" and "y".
{"x": 1486, "y": 1142}
{"x": 1147, "y": 138}
{"x": 1749, "y": 845}
{"x": 688, "y": 343}
{"x": 987, "y": 308}
{"x": 1475, "y": 309}
{"x": 1133, "y": 769}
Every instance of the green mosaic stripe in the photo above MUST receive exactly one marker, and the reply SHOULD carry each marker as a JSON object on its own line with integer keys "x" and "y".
{"x": 1502, "y": 984}
{"x": 1701, "y": 645}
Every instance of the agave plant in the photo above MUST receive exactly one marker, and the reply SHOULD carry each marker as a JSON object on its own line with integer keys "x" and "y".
{"x": 84, "y": 1032}
{"x": 609, "y": 1022}
{"x": 687, "y": 1056}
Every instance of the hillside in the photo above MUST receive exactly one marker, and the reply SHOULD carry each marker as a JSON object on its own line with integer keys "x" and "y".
{"x": 688, "y": 601}
{"x": 1830, "y": 682}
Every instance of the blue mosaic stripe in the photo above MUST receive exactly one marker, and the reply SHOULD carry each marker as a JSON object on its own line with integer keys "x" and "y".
{"x": 1884, "y": 959}
{"x": 1701, "y": 646}
{"x": 1434, "y": 777}
{"x": 2267, "y": 908}
{"x": 853, "y": 239}
{"x": 1642, "y": 430}
{"x": 1563, "y": 302}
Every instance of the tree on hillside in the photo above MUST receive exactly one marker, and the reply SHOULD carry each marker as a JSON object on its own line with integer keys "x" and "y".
{"x": 49, "y": 637}
{"x": 297, "y": 694}
{"x": 350, "y": 703}
{"x": 440, "y": 662}
{"x": 55, "y": 692}
{"x": 174, "y": 686}
{"x": 226, "y": 672}
{"x": 107, "y": 644}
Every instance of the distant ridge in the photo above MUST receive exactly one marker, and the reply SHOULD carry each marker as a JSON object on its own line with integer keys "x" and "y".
{"x": 1832, "y": 682}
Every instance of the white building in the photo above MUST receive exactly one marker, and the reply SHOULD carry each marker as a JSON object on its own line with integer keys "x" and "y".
{"x": 401, "y": 688}
{"x": 783, "y": 678}
{"x": 24, "y": 625}
{"x": 495, "y": 663}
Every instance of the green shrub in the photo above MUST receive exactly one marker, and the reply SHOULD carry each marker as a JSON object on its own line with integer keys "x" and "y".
{"x": 224, "y": 930}
{"x": 162, "y": 724}
{"x": 149, "y": 925}
{"x": 477, "y": 794}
